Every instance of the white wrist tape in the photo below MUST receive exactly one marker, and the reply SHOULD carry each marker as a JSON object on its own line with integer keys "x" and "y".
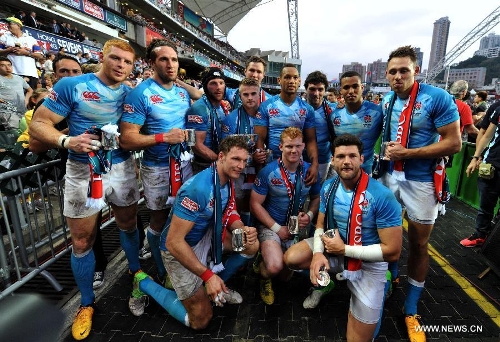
{"x": 367, "y": 253}
{"x": 311, "y": 215}
{"x": 62, "y": 139}
{"x": 275, "y": 227}
{"x": 318, "y": 246}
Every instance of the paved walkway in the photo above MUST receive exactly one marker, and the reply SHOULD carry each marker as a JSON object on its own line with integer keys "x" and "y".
{"x": 455, "y": 301}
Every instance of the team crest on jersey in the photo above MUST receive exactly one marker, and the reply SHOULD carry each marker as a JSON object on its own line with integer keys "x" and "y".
{"x": 53, "y": 95}
{"x": 417, "y": 109}
{"x": 336, "y": 121}
{"x": 273, "y": 112}
{"x": 155, "y": 99}
{"x": 367, "y": 121}
{"x": 257, "y": 182}
{"x": 276, "y": 181}
{"x": 189, "y": 204}
{"x": 363, "y": 202}
{"x": 224, "y": 128}
{"x": 128, "y": 108}
{"x": 195, "y": 118}
{"x": 182, "y": 95}
{"x": 302, "y": 112}
{"x": 211, "y": 204}
{"x": 258, "y": 116}
{"x": 91, "y": 96}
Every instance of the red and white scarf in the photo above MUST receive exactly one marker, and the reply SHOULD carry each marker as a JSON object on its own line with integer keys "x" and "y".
{"x": 403, "y": 132}
{"x": 352, "y": 266}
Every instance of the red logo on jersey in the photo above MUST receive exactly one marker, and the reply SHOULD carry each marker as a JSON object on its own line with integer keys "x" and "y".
{"x": 189, "y": 204}
{"x": 258, "y": 116}
{"x": 195, "y": 118}
{"x": 155, "y": 99}
{"x": 90, "y": 96}
{"x": 211, "y": 203}
{"x": 224, "y": 128}
{"x": 182, "y": 95}
{"x": 276, "y": 181}
{"x": 418, "y": 105}
{"x": 53, "y": 95}
{"x": 367, "y": 118}
{"x": 128, "y": 108}
{"x": 336, "y": 121}
{"x": 273, "y": 112}
{"x": 302, "y": 112}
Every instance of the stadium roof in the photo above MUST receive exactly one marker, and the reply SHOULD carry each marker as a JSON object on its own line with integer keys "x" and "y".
{"x": 224, "y": 14}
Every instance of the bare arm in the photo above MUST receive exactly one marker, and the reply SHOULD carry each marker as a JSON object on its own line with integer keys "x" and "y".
{"x": 391, "y": 239}
{"x": 201, "y": 150}
{"x": 258, "y": 210}
{"x": 450, "y": 143}
{"x": 483, "y": 139}
{"x": 132, "y": 140}
{"x": 29, "y": 92}
{"x": 471, "y": 130}
{"x": 194, "y": 93}
{"x": 42, "y": 129}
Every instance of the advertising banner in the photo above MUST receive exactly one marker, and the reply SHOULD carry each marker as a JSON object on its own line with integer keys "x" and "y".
{"x": 115, "y": 20}
{"x": 93, "y": 10}
{"x": 52, "y": 42}
{"x": 150, "y": 35}
{"x": 73, "y": 3}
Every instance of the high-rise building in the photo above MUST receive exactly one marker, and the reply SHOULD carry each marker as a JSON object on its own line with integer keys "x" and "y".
{"x": 355, "y": 66}
{"x": 489, "y": 46}
{"x": 375, "y": 72}
{"x": 439, "y": 41}
{"x": 420, "y": 58}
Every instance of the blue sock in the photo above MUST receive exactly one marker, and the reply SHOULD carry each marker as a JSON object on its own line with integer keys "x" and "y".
{"x": 130, "y": 244}
{"x": 83, "y": 270}
{"x": 154, "y": 244}
{"x": 166, "y": 298}
{"x": 232, "y": 264}
{"x": 393, "y": 267}
{"x": 414, "y": 290}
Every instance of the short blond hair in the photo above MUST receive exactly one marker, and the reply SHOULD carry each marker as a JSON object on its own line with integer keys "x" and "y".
{"x": 292, "y": 133}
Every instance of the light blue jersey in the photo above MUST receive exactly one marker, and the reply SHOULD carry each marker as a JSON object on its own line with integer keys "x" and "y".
{"x": 230, "y": 124}
{"x": 157, "y": 110}
{"x": 380, "y": 209}
{"x": 270, "y": 183}
{"x": 323, "y": 139}
{"x": 86, "y": 102}
{"x": 276, "y": 115}
{"x": 434, "y": 108}
{"x": 199, "y": 117}
{"x": 366, "y": 124}
{"x": 195, "y": 203}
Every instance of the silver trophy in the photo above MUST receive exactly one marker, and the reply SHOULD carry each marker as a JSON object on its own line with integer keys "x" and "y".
{"x": 293, "y": 225}
{"x": 190, "y": 137}
{"x": 324, "y": 277}
{"x": 239, "y": 239}
{"x": 109, "y": 141}
{"x": 330, "y": 233}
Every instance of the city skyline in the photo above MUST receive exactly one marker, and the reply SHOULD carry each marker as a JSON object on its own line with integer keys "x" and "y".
{"x": 334, "y": 34}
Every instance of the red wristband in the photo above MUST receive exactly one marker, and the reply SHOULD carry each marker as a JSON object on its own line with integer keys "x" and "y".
{"x": 206, "y": 275}
{"x": 159, "y": 138}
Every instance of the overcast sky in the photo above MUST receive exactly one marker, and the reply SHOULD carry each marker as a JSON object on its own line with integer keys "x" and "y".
{"x": 333, "y": 33}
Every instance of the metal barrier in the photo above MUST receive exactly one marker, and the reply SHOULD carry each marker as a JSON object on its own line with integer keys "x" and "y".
{"x": 33, "y": 238}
